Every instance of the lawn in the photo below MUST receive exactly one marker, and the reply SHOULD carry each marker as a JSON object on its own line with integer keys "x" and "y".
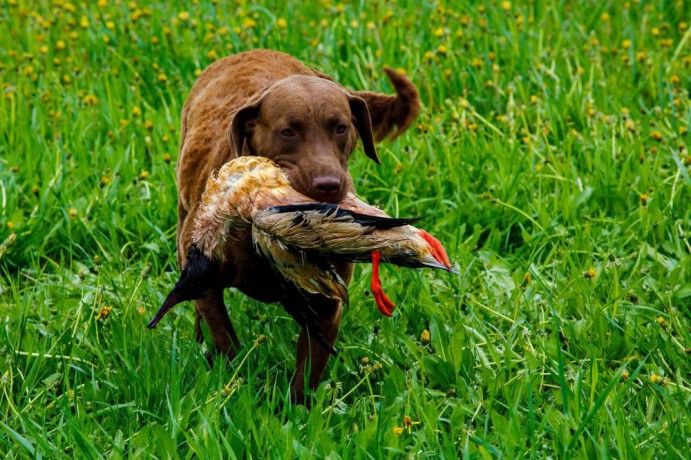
{"x": 551, "y": 158}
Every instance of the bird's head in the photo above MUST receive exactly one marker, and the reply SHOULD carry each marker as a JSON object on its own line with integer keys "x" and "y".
{"x": 436, "y": 254}
{"x": 197, "y": 278}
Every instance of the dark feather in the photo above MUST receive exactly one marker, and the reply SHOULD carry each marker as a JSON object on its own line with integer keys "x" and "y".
{"x": 298, "y": 304}
{"x": 196, "y": 279}
{"x": 378, "y": 222}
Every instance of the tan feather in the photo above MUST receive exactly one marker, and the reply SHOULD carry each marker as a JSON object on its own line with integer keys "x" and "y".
{"x": 248, "y": 191}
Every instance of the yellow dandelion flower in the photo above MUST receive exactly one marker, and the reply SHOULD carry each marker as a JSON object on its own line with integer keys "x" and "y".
{"x": 162, "y": 77}
{"x": 397, "y": 430}
{"x": 197, "y": 72}
{"x": 143, "y": 175}
{"x": 354, "y": 24}
{"x": 184, "y": 16}
{"x": 656, "y": 135}
{"x": 661, "y": 321}
{"x": 506, "y": 6}
{"x": 166, "y": 157}
{"x": 248, "y": 23}
{"x": 644, "y": 200}
{"x": 657, "y": 380}
{"x": 212, "y": 55}
{"x": 110, "y": 25}
{"x": 408, "y": 423}
{"x": 630, "y": 125}
{"x": 674, "y": 79}
{"x": 84, "y": 22}
{"x": 655, "y": 31}
{"x": 43, "y": 49}
{"x": 439, "y": 32}
{"x": 605, "y": 16}
{"x": 590, "y": 273}
{"x": 280, "y": 22}
{"x": 626, "y": 44}
{"x": 425, "y": 337}
{"x": 72, "y": 213}
{"x": 441, "y": 49}
{"x": 60, "y": 45}
{"x": 625, "y": 375}
{"x": 148, "y": 125}
{"x": 141, "y": 310}
{"x": 104, "y": 312}
{"x": 90, "y": 99}
{"x": 66, "y": 79}
{"x": 136, "y": 112}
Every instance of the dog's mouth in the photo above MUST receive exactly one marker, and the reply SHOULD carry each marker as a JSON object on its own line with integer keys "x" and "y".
{"x": 300, "y": 183}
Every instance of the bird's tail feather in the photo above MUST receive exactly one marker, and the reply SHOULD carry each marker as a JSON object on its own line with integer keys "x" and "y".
{"x": 378, "y": 222}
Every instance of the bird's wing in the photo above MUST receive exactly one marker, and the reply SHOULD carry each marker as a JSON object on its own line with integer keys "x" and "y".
{"x": 328, "y": 230}
{"x": 313, "y": 275}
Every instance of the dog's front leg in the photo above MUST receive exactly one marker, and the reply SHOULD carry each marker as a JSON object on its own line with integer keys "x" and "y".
{"x": 213, "y": 310}
{"x": 312, "y": 355}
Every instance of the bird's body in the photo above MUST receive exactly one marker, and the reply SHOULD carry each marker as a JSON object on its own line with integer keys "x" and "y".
{"x": 301, "y": 237}
{"x": 298, "y": 235}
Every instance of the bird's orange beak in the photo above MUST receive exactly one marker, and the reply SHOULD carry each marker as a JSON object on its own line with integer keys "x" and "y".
{"x": 385, "y": 306}
{"x": 436, "y": 249}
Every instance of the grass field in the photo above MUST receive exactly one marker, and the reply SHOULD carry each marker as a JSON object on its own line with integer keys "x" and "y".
{"x": 551, "y": 159}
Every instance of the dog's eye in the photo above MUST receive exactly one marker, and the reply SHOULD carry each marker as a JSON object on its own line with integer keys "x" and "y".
{"x": 340, "y": 129}
{"x": 288, "y": 132}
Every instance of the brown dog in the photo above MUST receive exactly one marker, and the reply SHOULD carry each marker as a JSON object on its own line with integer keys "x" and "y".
{"x": 267, "y": 103}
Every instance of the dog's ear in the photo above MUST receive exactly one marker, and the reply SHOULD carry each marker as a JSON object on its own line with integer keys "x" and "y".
{"x": 392, "y": 113}
{"x": 240, "y": 126}
{"x": 363, "y": 124}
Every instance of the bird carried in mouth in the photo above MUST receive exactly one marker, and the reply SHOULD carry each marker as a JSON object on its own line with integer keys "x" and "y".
{"x": 300, "y": 237}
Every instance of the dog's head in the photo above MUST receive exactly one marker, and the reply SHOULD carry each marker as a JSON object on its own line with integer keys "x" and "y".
{"x": 309, "y": 126}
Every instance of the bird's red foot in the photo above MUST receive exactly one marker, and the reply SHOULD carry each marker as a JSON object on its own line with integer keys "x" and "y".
{"x": 385, "y": 306}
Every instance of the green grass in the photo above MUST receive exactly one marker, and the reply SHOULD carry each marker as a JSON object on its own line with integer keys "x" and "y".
{"x": 551, "y": 159}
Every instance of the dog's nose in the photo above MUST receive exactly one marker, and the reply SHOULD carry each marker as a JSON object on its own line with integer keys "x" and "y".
{"x": 328, "y": 186}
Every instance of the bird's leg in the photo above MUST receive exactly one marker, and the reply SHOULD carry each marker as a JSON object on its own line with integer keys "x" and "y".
{"x": 213, "y": 310}
{"x": 385, "y": 306}
{"x": 312, "y": 356}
